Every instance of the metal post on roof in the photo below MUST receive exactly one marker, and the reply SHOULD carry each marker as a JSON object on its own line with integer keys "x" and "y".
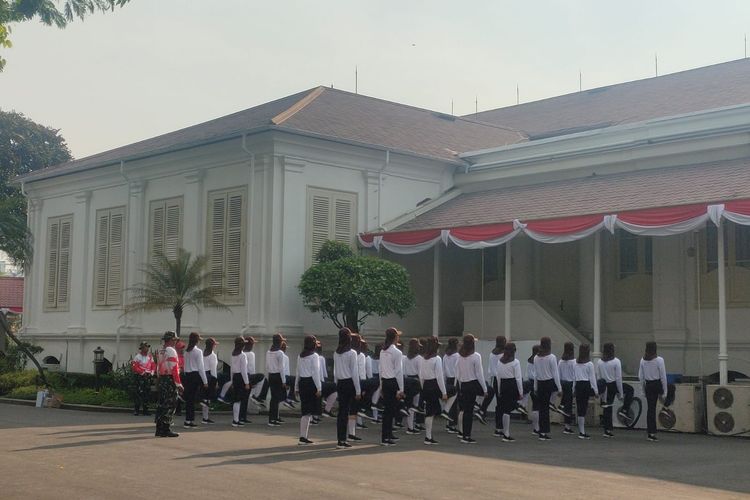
{"x": 723, "y": 356}
{"x": 597, "y": 353}
{"x": 506, "y": 329}
{"x": 436, "y": 291}
{"x": 356, "y": 80}
{"x": 580, "y": 81}
{"x": 656, "y": 63}
{"x": 518, "y": 95}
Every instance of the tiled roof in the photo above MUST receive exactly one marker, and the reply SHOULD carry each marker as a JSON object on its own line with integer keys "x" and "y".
{"x": 11, "y": 292}
{"x": 331, "y": 114}
{"x": 599, "y": 194}
{"x": 710, "y": 87}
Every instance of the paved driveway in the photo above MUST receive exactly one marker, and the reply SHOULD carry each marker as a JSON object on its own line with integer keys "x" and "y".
{"x": 46, "y": 453}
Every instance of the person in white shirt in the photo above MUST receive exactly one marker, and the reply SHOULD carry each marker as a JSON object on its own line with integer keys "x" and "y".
{"x": 653, "y": 376}
{"x": 195, "y": 378}
{"x": 432, "y": 381}
{"x": 210, "y": 364}
{"x": 470, "y": 377}
{"x": 329, "y": 388}
{"x": 585, "y": 387}
{"x": 256, "y": 379}
{"x": 510, "y": 387}
{"x": 547, "y": 382}
{"x": 492, "y": 386}
{"x": 346, "y": 376}
{"x": 450, "y": 359}
{"x": 412, "y": 389}
{"x": 290, "y": 397}
{"x": 308, "y": 386}
{"x": 275, "y": 371}
{"x": 610, "y": 382}
{"x": 391, "y": 383}
{"x": 567, "y": 368}
{"x": 240, "y": 380}
{"x": 528, "y": 390}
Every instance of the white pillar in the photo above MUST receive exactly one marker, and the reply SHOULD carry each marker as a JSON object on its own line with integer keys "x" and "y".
{"x": 436, "y": 291}
{"x": 723, "y": 356}
{"x": 597, "y": 353}
{"x": 507, "y": 303}
{"x": 79, "y": 261}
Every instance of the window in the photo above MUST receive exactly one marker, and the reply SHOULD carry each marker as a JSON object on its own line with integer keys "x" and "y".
{"x": 226, "y": 243}
{"x": 108, "y": 263}
{"x": 634, "y": 254}
{"x": 737, "y": 263}
{"x": 57, "y": 277}
{"x": 331, "y": 215}
{"x": 165, "y": 228}
{"x": 631, "y": 264}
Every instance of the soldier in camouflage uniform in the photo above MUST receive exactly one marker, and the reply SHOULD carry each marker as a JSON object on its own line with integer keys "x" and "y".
{"x": 168, "y": 384}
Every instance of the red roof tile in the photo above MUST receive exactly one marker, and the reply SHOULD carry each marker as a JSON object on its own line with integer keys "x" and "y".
{"x": 11, "y": 292}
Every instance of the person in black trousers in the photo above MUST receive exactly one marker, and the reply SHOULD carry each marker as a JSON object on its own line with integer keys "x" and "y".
{"x": 546, "y": 384}
{"x": 653, "y": 376}
{"x": 346, "y": 374}
{"x": 471, "y": 378}
{"x": 391, "y": 383}
{"x": 275, "y": 369}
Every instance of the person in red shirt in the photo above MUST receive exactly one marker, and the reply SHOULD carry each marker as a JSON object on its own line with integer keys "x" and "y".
{"x": 169, "y": 384}
{"x": 144, "y": 369}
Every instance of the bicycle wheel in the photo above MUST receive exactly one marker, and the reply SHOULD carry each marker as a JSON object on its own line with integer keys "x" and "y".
{"x": 629, "y": 418}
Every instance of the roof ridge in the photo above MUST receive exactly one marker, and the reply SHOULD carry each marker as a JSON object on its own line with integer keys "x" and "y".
{"x": 298, "y": 106}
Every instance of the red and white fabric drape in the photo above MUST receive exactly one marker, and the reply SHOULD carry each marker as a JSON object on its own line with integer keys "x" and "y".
{"x": 664, "y": 221}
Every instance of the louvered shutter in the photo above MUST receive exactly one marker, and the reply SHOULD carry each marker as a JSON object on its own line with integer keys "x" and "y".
{"x": 172, "y": 228}
{"x": 102, "y": 259}
{"x": 234, "y": 245}
{"x": 217, "y": 232}
{"x": 115, "y": 257}
{"x": 343, "y": 220}
{"x": 53, "y": 243}
{"x": 63, "y": 279}
{"x": 157, "y": 231}
{"x": 320, "y": 217}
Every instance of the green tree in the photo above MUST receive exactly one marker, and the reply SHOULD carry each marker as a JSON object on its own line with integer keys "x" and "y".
{"x": 48, "y": 12}
{"x": 25, "y": 146}
{"x": 347, "y": 288}
{"x": 175, "y": 285}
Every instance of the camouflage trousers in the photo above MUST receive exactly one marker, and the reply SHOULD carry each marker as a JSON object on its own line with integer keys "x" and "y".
{"x": 167, "y": 402}
{"x": 142, "y": 385}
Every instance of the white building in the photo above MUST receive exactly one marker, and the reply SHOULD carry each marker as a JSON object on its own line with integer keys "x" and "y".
{"x": 260, "y": 189}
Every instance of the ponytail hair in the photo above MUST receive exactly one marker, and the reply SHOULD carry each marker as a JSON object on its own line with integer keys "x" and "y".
{"x": 584, "y": 353}
{"x": 452, "y": 346}
{"x": 650, "y": 351}
{"x": 608, "y": 351}
{"x": 468, "y": 346}
{"x": 534, "y": 352}
{"x": 345, "y": 340}
{"x": 509, "y": 353}
{"x": 568, "y": 351}
{"x": 499, "y": 345}
{"x": 239, "y": 345}
{"x": 193, "y": 341}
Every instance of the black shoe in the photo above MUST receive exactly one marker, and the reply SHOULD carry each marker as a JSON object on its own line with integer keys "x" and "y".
{"x": 568, "y": 430}
{"x": 303, "y": 441}
{"x": 481, "y": 418}
{"x": 237, "y": 423}
{"x": 520, "y": 409}
{"x": 398, "y": 425}
{"x": 361, "y": 426}
{"x": 450, "y": 429}
{"x": 416, "y": 409}
{"x": 343, "y": 445}
{"x": 411, "y": 432}
{"x": 508, "y": 439}
{"x": 387, "y": 442}
{"x": 468, "y": 440}
{"x": 394, "y": 438}
{"x": 652, "y": 437}
{"x": 315, "y": 421}
{"x": 207, "y": 421}
{"x": 328, "y": 414}
{"x": 534, "y": 431}
{"x": 604, "y": 404}
{"x": 608, "y": 434}
{"x": 583, "y": 435}
{"x": 288, "y": 404}
{"x": 167, "y": 434}
{"x": 280, "y": 420}
{"x": 498, "y": 433}
{"x": 273, "y": 423}
{"x": 429, "y": 441}
{"x": 352, "y": 437}
{"x": 404, "y": 412}
{"x": 258, "y": 401}
{"x": 446, "y": 416}
{"x": 189, "y": 425}
{"x": 544, "y": 437}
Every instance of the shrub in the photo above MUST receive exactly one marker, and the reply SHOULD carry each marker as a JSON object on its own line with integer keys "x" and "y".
{"x": 24, "y": 392}
{"x": 12, "y": 380}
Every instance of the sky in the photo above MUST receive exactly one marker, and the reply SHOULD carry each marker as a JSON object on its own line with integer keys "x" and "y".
{"x": 156, "y": 66}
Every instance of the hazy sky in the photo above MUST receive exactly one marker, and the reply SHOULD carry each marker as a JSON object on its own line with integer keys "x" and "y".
{"x": 159, "y": 65}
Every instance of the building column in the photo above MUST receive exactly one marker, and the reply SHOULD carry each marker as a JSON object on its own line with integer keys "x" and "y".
{"x": 597, "y": 352}
{"x": 436, "y": 291}
{"x": 80, "y": 261}
{"x": 723, "y": 356}
{"x": 372, "y": 199}
{"x": 194, "y": 188}
{"x": 137, "y": 228}
{"x": 33, "y": 221}
{"x": 507, "y": 302}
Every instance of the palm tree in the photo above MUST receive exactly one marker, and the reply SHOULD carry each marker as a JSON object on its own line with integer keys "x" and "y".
{"x": 175, "y": 284}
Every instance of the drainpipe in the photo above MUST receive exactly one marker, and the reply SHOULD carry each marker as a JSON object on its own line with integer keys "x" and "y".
{"x": 249, "y": 265}
{"x": 380, "y": 182}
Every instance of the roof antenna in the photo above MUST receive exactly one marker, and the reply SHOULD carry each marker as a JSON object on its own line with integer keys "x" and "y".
{"x": 476, "y": 105}
{"x": 580, "y": 81}
{"x": 451, "y": 107}
{"x": 356, "y": 80}
{"x": 745, "y": 45}
{"x": 518, "y": 96}
{"x": 656, "y": 63}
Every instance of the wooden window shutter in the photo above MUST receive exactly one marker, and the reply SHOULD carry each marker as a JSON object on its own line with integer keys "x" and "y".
{"x": 217, "y": 234}
{"x": 102, "y": 258}
{"x": 63, "y": 279}
{"x": 115, "y": 257}
{"x": 319, "y": 222}
{"x": 344, "y": 219}
{"x": 331, "y": 215}
{"x": 157, "y": 231}
{"x": 53, "y": 244}
{"x": 234, "y": 247}
{"x": 172, "y": 228}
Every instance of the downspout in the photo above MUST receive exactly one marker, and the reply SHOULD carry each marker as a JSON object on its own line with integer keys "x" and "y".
{"x": 249, "y": 239}
{"x": 380, "y": 182}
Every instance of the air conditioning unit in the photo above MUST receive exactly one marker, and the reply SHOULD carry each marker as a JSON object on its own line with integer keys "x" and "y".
{"x": 686, "y": 414}
{"x": 728, "y": 409}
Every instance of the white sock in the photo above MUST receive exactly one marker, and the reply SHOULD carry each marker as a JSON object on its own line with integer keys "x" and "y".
{"x": 428, "y": 427}
{"x": 525, "y": 400}
{"x": 225, "y": 388}
{"x": 236, "y": 412}
{"x": 410, "y": 420}
{"x": 205, "y": 412}
{"x": 359, "y": 420}
{"x": 375, "y": 412}
{"x": 460, "y": 423}
{"x": 330, "y": 400}
{"x": 449, "y": 403}
{"x": 535, "y": 420}
{"x": 581, "y": 423}
{"x": 304, "y": 425}
{"x": 352, "y": 427}
{"x": 375, "y": 396}
{"x": 506, "y": 424}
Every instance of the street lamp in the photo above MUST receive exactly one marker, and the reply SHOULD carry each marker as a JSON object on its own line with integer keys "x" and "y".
{"x": 98, "y": 364}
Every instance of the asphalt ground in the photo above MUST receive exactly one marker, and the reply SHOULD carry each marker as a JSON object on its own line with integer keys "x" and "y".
{"x": 49, "y": 453}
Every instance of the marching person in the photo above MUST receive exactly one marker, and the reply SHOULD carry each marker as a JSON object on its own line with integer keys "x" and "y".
{"x": 610, "y": 378}
{"x": 210, "y": 363}
{"x": 547, "y": 382}
{"x": 510, "y": 387}
{"x": 240, "y": 381}
{"x": 346, "y": 376}
{"x": 492, "y": 388}
{"x": 411, "y": 363}
{"x": 169, "y": 384}
{"x": 275, "y": 371}
{"x": 567, "y": 369}
{"x": 585, "y": 386}
{"x": 528, "y": 390}
{"x": 195, "y": 378}
{"x": 433, "y": 386}
{"x": 288, "y": 380}
{"x": 255, "y": 380}
{"x": 391, "y": 383}
{"x": 470, "y": 376}
{"x": 180, "y": 348}
{"x": 653, "y": 376}
{"x": 329, "y": 388}
{"x": 308, "y": 386}
{"x": 143, "y": 368}
{"x": 450, "y": 359}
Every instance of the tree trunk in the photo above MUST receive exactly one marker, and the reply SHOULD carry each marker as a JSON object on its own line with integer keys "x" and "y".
{"x": 177, "y": 310}
{"x": 6, "y": 328}
{"x": 351, "y": 320}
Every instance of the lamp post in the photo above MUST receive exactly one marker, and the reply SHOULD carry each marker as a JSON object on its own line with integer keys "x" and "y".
{"x": 98, "y": 364}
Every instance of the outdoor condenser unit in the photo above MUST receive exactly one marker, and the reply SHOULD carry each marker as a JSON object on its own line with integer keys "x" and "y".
{"x": 686, "y": 412}
{"x": 728, "y": 409}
